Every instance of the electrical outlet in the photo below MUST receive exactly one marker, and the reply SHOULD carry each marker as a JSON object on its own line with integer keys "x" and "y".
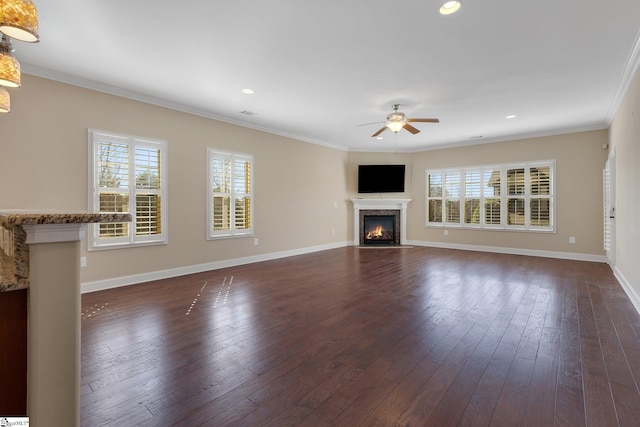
{"x": 83, "y": 261}
{"x": 446, "y": 232}
{"x": 572, "y": 239}
{"x": 255, "y": 242}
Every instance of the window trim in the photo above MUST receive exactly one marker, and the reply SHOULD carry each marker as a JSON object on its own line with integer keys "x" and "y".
{"x": 503, "y": 197}
{"x": 94, "y": 241}
{"x": 232, "y": 232}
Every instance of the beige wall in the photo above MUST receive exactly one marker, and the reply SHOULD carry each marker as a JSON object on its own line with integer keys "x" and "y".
{"x": 302, "y": 190}
{"x": 625, "y": 138}
{"x": 300, "y": 197}
{"x": 579, "y": 161}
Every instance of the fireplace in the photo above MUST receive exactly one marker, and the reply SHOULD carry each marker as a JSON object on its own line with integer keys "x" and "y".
{"x": 379, "y": 229}
{"x": 390, "y": 214}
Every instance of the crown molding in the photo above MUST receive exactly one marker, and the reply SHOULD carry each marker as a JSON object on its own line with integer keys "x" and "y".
{"x": 630, "y": 69}
{"x": 158, "y": 102}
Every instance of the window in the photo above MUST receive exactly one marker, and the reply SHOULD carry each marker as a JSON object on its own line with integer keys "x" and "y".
{"x": 127, "y": 174}
{"x": 511, "y": 197}
{"x": 229, "y": 194}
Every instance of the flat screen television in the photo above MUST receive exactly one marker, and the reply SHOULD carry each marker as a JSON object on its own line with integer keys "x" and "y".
{"x": 381, "y": 178}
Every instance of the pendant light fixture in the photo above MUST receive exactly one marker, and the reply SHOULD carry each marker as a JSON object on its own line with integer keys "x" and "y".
{"x": 19, "y": 20}
{"x": 5, "y": 101}
{"x": 9, "y": 66}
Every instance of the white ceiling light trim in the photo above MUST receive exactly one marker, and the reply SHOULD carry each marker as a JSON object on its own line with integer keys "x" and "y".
{"x": 449, "y": 7}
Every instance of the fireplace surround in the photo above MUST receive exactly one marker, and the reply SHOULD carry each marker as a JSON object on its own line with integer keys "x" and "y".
{"x": 380, "y": 227}
{"x": 380, "y": 207}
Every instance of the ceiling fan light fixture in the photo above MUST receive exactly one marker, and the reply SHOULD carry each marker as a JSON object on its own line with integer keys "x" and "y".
{"x": 9, "y": 66}
{"x": 5, "y": 101}
{"x": 395, "y": 126}
{"x": 19, "y": 20}
{"x": 450, "y": 6}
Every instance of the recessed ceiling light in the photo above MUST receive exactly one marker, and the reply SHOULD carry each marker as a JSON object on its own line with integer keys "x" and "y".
{"x": 247, "y": 91}
{"x": 510, "y": 116}
{"x": 379, "y": 137}
{"x": 450, "y": 6}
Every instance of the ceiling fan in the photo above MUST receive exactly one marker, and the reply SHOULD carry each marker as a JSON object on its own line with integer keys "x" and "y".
{"x": 397, "y": 121}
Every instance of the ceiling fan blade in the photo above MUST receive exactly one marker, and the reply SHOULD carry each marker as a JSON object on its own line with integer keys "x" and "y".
{"x": 424, "y": 120}
{"x": 372, "y": 123}
{"x": 379, "y": 132}
{"x": 410, "y": 128}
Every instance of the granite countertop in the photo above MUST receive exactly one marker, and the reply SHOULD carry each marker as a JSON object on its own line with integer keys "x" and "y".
{"x": 14, "y": 251}
{"x": 24, "y": 217}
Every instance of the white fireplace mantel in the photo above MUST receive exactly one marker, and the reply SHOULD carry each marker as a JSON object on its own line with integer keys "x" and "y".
{"x": 382, "y": 204}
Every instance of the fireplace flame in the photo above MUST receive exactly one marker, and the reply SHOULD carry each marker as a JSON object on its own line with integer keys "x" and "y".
{"x": 376, "y": 233}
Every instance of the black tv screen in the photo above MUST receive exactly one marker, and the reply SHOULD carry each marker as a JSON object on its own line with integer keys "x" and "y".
{"x": 381, "y": 179}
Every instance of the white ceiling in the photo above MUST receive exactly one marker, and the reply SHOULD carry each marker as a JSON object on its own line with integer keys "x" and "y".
{"x": 320, "y": 69}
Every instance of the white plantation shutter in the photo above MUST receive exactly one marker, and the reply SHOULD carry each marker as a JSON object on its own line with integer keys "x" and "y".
{"x": 434, "y": 197}
{"x": 127, "y": 174}
{"x": 472, "y": 193}
{"x": 113, "y": 186}
{"x": 452, "y": 185}
{"x": 492, "y": 189}
{"x": 518, "y": 197}
{"x": 230, "y": 194}
{"x": 220, "y": 181}
{"x": 242, "y": 192}
{"x": 540, "y": 196}
{"x": 148, "y": 191}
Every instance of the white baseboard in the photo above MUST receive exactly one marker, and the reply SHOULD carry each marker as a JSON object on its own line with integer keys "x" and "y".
{"x": 631, "y": 293}
{"x": 117, "y": 282}
{"x": 513, "y": 251}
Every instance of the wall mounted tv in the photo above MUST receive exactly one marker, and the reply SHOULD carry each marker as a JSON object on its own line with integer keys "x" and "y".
{"x": 381, "y": 178}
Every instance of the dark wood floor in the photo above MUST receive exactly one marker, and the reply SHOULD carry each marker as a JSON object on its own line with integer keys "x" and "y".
{"x": 388, "y": 337}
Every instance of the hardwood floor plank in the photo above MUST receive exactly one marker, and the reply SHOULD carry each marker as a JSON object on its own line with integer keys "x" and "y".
{"x": 541, "y": 401}
{"x": 399, "y": 399}
{"x": 570, "y": 356}
{"x": 484, "y": 400}
{"x": 423, "y": 405}
{"x": 627, "y": 402}
{"x": 420, "y": 336}
{"x": 569, "y": 410}
{"x": 615, "y": 362}
{"x": 510, "y": 408}
{"x": 633, "y": 359}
{"x": 363, "y": 380}
{"x": 599, "y": 406}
